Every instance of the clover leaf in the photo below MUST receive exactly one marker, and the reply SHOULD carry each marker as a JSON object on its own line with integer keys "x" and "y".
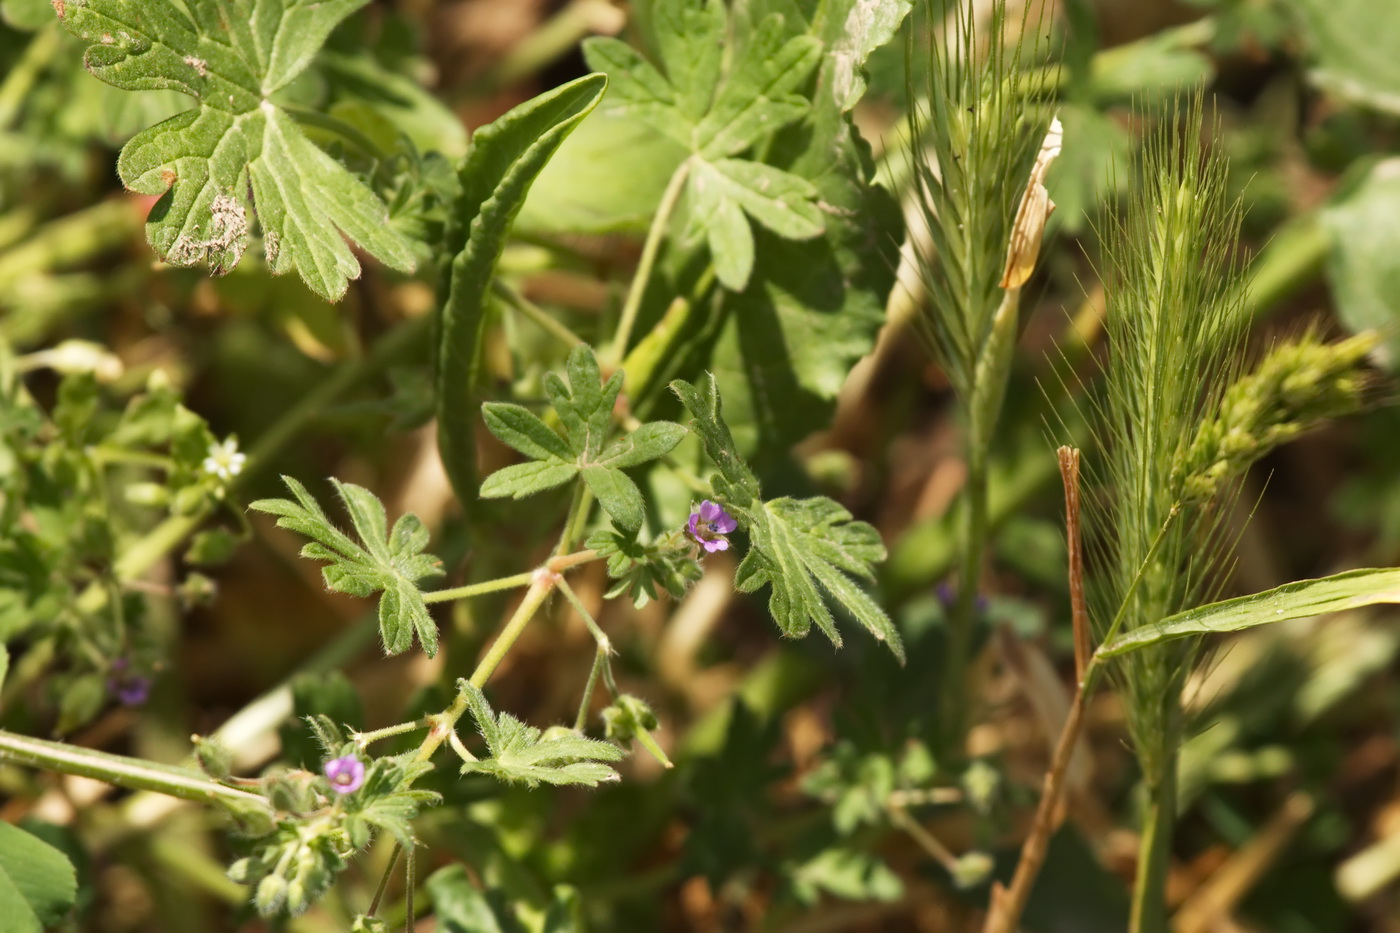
{"x": 238, "y": 156}
{"x": 806, "y": 550}
{"x": 523, "y": 754}
{"x": 390, "y": 562}
{"x": 718, "y": 116}
{"x": 585, "y": 409}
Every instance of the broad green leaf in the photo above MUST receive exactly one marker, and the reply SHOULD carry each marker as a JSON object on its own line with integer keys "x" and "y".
{"x": 725, "y": 190}
{"x": 814, "y": 306}
{"x": 585, "y": 409}
{"x": 4, "y": 663}
{"x": 37, "y": 882}
{"x": 1351, "y": 590}
{"x": 459, "y": 907}
{"x": 1363, "y": 265}
{"x": 760, "y": 95}
{"x": 586, "y": 188}
{"x": 233, "y": 57}
{"x": 718, "y": 116}
{"x": 504, "y": 159}
{"x": 387, "y": 561}
{"x": 1148, "y": 70}
{"x": 1353, "y": 43}
{"x": 523, "y": 754}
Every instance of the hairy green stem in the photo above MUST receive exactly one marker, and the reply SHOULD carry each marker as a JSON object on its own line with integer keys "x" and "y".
{"x": 630, "y": 308}
{"x": 131, "y": 773}
{"x": 600, "y": 658}
{"x": 534, "y": 598}
{"x": 480, "y": 589}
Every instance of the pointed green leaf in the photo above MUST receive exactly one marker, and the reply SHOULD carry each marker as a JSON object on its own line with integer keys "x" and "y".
{"x": 523, "y": 430}
{"x": 525, "y": 479}
{"x": 231, "y": 57}
{"x": 617, "y": 494}
{"x": 504, "y": 159}
{"x": 1351, "y": 590}
{"x": 651, "y": 440}
{"x": 37, "y": 882}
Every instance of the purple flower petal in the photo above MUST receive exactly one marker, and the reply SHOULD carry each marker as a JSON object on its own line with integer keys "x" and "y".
{"x": 346, "y": 774}
{"x": 709, "y": 524}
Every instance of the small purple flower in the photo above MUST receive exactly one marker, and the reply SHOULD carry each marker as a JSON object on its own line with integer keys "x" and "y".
{"x": 130, "y": 689}
{"x": 134, "y": 691}
{"x": 709, "y": 525}
{"x": 345, "y": 774}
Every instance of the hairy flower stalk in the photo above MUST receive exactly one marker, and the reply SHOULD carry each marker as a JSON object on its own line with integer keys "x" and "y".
{"x": 985, "y": 131}
{"x": 1174, "y": 322}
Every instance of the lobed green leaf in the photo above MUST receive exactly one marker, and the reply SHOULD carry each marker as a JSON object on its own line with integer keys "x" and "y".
{"x": 232, "y": 56}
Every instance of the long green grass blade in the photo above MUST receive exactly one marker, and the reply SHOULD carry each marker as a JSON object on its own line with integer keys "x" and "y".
{"x": 1350, "y": 590}
{"x": 504, "y": 159}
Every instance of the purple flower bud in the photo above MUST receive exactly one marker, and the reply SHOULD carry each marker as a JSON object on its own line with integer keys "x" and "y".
{"x": 345, "y": 774}
{"x": 709, "y": 525}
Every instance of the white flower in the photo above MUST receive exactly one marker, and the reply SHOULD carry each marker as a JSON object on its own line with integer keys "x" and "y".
{"x": 224, "y": 460}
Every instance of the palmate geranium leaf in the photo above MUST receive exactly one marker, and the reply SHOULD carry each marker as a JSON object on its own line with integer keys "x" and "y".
{"x": 806, "y": 550}
{"x": 718, "y": 116}
{"x": 813, "y": 306}
{"x": 387, "y": 561}
{"x": 585, "y": 409}
{"x": 237, "y": 157}
{"x": 523, "y": 754}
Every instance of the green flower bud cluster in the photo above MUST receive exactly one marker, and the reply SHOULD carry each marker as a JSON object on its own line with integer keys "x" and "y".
{"x": 631, "y": 718}
{"x": 292, "y": 870}
{"x": 1297, "y": 386}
